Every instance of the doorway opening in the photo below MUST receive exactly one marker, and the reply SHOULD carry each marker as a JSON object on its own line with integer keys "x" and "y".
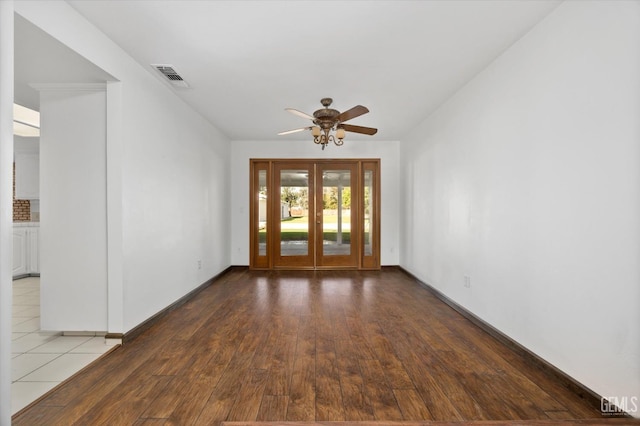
{"x": 315, "y": 214}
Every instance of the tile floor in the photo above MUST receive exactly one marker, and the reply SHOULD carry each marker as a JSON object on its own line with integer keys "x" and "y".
{"x": 43, "y": 359}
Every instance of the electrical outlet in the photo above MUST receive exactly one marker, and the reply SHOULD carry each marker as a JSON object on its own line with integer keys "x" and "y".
{"x": 199, "y": 264}
{"x": 467, "y": 281}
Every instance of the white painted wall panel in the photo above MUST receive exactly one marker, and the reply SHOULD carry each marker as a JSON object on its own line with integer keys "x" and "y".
{"x": 6, "y": 206}
{"x": 175, "y": 202}
{"x": 73, "y": 203}
{"x": 528, "y": 182}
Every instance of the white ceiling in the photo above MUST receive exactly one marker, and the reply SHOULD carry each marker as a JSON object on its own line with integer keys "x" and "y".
{"x": 248, "y": 60}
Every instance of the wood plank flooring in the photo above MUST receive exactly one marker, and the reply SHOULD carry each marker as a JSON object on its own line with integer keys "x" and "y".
{"x": 304, "y": 346}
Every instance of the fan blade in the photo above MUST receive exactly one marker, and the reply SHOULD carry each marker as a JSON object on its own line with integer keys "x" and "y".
{"x": 354, "y": 112}
{"x": 288, "y": 132}
{"x": 300, "y": 113}
{"x": 359, "y": 129}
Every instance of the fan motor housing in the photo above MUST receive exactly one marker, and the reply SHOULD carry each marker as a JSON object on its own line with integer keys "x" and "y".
{"x": 326, "y": 114}
{"x": 326, "y": 118}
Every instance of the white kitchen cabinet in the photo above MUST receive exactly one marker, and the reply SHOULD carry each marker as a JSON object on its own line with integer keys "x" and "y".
{"x": 19, "y": 251}
{"x": 33, "y": 257}
{"x": 27, "y": 175}
{"x": 26, "y": 249}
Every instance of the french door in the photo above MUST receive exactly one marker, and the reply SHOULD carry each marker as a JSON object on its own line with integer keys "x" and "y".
{"x": 312, "y": 214}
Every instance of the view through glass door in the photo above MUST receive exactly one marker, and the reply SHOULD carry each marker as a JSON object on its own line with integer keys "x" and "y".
{"x": 314, "y": 214}
{"x": 337, "y": 198}
{"x": 294, "y": 231}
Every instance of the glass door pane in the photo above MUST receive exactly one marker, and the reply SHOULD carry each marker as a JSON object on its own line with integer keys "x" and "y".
{"x": 336, "y": 220}
{"x": 294, "y": 213}
{"x": 334, "y": 215}
{"x": 259, "y": 212}
{"x": 368, "y": 212}
{"x": 294, "y": 224}
{"x": 262, "y": 212}
{"x": 370, "y": 198}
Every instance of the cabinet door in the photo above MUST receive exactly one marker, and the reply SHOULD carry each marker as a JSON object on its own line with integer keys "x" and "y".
{"x": 27, "y": 176}
{"x": 33, "y": 247}
{"x": 19, "y": 251}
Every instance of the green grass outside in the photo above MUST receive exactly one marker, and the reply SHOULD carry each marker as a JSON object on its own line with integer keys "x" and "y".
{"x": 301, "y": 235}
{"x": 304, "y": 219}
{"x": 304, "y": 236}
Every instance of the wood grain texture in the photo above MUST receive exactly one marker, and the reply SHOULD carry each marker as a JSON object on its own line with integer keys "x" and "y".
{"x": 583, "y": 422}
{"x": 313, "y": 347}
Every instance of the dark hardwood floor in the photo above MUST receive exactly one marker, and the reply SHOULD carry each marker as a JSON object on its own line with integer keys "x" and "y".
{"x": 310, "y": 346}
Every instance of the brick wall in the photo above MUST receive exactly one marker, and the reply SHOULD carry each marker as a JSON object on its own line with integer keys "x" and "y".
{"x": 21, "y": 208}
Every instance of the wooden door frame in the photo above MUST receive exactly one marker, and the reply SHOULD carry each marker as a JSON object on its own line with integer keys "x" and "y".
{"x": 268, "y": 261}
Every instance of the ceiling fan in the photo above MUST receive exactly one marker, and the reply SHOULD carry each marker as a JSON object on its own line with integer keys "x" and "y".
{"x": 327, "y": 119}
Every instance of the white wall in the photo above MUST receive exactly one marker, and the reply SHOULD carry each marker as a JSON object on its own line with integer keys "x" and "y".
{"x": 73, "y": 230}
{"x": 175, "y": 203}
{"x": 242, "y": 151}
{"x": 528, "y": 182}
{"x": 6, "y": 205}
{"x": 172, "y": 178}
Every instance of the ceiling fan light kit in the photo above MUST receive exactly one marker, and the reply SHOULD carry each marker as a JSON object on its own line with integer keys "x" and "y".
{"x": 327, "y": 120}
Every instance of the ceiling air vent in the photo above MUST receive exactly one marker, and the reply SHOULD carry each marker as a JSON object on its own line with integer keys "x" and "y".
{"x": 172, "y": 75}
